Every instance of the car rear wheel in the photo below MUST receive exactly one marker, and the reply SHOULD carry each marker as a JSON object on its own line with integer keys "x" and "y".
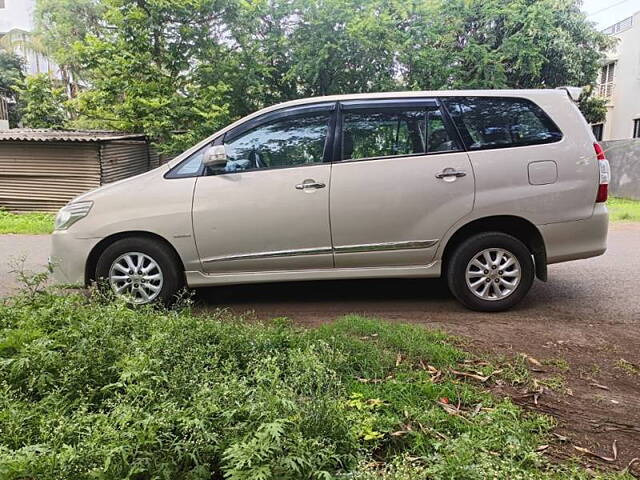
{"x": 490, "y": 272}
{"x": 140, "y": 270}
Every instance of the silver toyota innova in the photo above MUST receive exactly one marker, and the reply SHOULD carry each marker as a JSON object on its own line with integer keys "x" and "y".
{"x": 484, "y": 188}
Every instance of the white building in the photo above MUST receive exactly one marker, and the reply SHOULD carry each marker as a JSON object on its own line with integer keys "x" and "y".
{"x": 619, "y": 81}
{"x": 16, "y": 23}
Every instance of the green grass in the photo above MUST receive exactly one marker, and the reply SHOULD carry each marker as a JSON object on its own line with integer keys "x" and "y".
{"x": 26, "y": 223}
{"x": 95, "y": 389}
{"x": 624, "y": 209}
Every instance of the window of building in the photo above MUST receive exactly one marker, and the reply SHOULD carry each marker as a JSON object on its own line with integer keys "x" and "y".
{"x": 636, "y": 128}
{"x": 598, "y": 129}
{"x": 4, "y": 109}
{"x": 498, "y": 122}
{"x": 621, "y": 26}
{"x": 607, "y": 73}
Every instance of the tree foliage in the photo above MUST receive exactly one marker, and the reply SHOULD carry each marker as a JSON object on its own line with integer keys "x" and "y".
{"x": 61, "y": 23}
{"x": 593, "y": 107}
{"x": 167, "y": 67}
{"x": 42, "y": 103}
{"x": 11, "y": 77}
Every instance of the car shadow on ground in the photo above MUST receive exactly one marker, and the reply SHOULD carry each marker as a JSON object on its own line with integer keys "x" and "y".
{"x": 329, "y": 291}
{"x": 305, "y": 301}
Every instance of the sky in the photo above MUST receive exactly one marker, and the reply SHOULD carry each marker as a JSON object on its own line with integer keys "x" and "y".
{"x": 607, "y": 12}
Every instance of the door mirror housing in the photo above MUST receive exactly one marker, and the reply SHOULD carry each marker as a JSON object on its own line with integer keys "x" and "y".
{"x": 216, "y": 157}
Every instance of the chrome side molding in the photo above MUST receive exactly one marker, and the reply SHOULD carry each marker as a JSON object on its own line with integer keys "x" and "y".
{"x": 377, "y": 247}
{"x": 369, "y": 247}
{"x": 273, "y": 254}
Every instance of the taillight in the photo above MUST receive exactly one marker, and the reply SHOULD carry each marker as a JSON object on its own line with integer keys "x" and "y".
{"x": 605, "y": 174}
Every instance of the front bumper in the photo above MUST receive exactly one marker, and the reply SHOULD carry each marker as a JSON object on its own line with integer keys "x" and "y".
{"x": 578, "y": 239}
{"x": 69, "y": 256}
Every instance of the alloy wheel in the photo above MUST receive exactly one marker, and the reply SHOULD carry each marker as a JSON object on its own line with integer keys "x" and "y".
{"x": 493, "y": 274}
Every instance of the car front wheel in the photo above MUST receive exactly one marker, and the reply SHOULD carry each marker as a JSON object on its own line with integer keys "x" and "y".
{"x": 490, "y": 272}
{"x": 140, "y": 270}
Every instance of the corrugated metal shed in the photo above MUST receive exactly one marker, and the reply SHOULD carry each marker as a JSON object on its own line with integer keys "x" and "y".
{"x": 122, "y": 159}
{"x": 41, "y": 170}
{"x": 43, "y": 135}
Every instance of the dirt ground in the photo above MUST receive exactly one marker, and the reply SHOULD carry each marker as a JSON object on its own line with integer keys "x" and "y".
{"x": 583, "y": 326}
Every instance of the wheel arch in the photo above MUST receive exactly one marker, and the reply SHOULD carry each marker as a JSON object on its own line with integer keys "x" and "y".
{"x": 102, "y": 245}
{"x": 522, "y": 229}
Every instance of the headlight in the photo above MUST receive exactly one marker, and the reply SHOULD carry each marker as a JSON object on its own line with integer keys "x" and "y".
{"x": 70, "y": 214}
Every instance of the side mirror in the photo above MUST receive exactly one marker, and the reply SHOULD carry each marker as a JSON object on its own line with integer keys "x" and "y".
{"x": 216, "y": 157}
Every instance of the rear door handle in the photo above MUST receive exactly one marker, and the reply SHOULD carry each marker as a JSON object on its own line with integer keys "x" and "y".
{"x": 451, "y": 172}
{"x": 309, "y": 184}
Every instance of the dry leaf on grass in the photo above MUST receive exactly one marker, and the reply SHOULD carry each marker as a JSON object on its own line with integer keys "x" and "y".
{"x": 531, "y": 360}
{"x": 633, "y": 460}
{"x": 562, "y": 438}
{"x": 614, "y": 449}
{"x": 398, "y": 360}
{"x": 476, "y": 376}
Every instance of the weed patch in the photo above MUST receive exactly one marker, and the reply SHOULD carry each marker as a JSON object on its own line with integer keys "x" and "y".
{"x": 624, "y": 209}
{"x": 26, "y": 223}
{"x": 95, "y": 389}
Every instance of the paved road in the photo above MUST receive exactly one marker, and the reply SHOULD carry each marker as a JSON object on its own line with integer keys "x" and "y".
{"x": 605, "y": 289}
{"x": 26, "y": 252}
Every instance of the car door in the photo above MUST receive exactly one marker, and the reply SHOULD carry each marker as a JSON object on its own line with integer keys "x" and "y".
{"x": 269, "y": 208}
{"x": 402, "y": 181}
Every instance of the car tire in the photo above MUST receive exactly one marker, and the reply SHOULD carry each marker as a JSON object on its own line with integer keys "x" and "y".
{"x": 490, "y": 272}
{"x": 159, "y": 279}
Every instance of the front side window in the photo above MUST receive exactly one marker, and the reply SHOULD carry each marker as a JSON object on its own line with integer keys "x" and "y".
{"x": 190, "y": 167}
{"x": 387, "y": 132}
{"x": 289, "y": 142}
{"x": 494, "y": 122}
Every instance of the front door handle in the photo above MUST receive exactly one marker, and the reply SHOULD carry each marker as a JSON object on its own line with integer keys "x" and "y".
{"x": 309, "y": 184}
{"x": 451, "y": 172}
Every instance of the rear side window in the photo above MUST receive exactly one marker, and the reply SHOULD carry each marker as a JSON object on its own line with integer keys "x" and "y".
{"x": 498, "y": 122}
{"x": 389, "y": 132}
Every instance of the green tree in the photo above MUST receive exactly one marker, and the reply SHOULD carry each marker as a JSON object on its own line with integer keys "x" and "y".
{"x": 61, "y": 24}
{"x": 178, "y": 70}
{"x": 11, "y": 77}
{"x": 593, "y": 107}
{"x": 42, "y": 103}
{"x": 500, "y": 44}
{"x": 150, "y": 69}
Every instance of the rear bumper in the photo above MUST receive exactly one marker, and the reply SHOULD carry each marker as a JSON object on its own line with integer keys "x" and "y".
{"x": 69, "y": 257}
{"x": 575, "y": 240}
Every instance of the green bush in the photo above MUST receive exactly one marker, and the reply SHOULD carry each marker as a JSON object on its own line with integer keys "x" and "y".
{"x": 90, "y": 389}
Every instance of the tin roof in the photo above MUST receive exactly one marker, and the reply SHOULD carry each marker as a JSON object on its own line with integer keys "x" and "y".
{"x": 45, "y": 135}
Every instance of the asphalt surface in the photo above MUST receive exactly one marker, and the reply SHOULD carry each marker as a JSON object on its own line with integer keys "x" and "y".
{"x": 604, "y": 290}
{"x": 27, "y": 253}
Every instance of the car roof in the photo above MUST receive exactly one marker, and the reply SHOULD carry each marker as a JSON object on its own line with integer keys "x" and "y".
{"x": 419, "y": 94}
